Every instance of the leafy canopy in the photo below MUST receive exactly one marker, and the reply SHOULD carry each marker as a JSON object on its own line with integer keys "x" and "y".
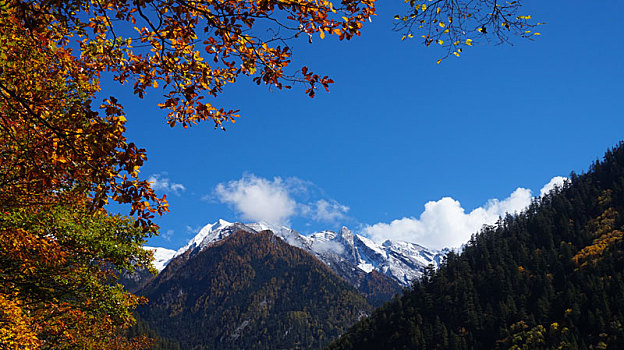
{"x": 192, "y": 49}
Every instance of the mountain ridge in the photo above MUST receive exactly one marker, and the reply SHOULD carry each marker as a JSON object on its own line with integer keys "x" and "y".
{"x": 250, "y": 290}
{"x": 350, "y": 255}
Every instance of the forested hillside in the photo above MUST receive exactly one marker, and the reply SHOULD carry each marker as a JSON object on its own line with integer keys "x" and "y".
{"x": 250, "y": 291}
{"x": 548, "y": 278}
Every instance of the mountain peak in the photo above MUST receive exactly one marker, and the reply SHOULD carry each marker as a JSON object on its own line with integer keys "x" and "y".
{"x": 208, "y": 234}
{"x": 220, "y": 224}
{"x": 345, "y": 252}
{"x": 346, "y": 235}
{"x": 234, "y": 293}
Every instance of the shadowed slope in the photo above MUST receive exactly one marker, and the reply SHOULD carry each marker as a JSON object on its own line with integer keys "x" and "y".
{"x": 551, "y": 277}
{"x": 250, "y": 291}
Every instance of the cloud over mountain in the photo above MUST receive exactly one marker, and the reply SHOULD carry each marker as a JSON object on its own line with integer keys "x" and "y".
{"x": 445, "y": 223}
{"x": 277, "y": 200}
{"x": 258, "y": 199}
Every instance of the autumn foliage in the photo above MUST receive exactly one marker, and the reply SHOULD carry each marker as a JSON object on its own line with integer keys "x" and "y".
{"x": 65, "y": 156}
{"x": 61, "y": 162}
{"x": 606, "y": 237}
{"x": 455, "y": 25}
{"x": 189, "y": 49}
{"x": 56, "y": 266}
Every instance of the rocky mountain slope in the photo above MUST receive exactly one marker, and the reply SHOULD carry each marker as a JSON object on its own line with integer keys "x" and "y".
{"x": 350, "y": 255}
{"x": 241, "y": 290}
{"x": 257, "y": 285}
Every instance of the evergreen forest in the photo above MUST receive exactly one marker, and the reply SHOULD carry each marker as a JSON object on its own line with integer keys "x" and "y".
{"x": 550, "y": 277}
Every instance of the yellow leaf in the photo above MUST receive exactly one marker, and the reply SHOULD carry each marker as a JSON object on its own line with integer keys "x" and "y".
{"x": 456, "y": 54}
{"x": 469, "y": 42}
{"x": 441, "y": 42}
{"x": 438, "y": 62}
{"x": 122, "y": 119}
{"x": 438, "y": 10}
{"x": 537, "y": 34}
{"x": 423, "y": 7}
{"x": 322, "y": 34}
{"x": 442, "y": 25}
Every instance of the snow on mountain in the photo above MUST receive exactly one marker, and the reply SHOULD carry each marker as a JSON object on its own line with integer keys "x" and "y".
{"x": 212, "y": 233}
{"x": 208, "y": 234}
{"x": 162, "y": 256}
{"x": 345, "y": 252}
{"x": 403, "y": 261}
{"x": 289, "y": 235}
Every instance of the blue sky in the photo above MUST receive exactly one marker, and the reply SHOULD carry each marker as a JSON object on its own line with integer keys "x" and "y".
{"x": 397, "y": 131}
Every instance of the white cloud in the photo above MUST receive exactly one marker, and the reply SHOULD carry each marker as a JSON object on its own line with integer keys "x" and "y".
{"x": 190, "y": 230}
{"x": 276, "y": 201}
{"x": 160, "y": 182}
{"x": 556, "y": 181}
{"x": 258, "y": 199}
{"x": 445, "y": 223}
{"x": 327, "y": 211}
{"x": 167, "y": 235}
{"x": 328, "y": 246}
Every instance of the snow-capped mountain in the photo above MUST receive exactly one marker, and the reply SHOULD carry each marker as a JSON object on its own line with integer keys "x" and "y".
{"x": 403, "y": 261}
{"x": 162, "y": 256}
{"x": 212, "y": 233}
{"x": 350, "y": 255}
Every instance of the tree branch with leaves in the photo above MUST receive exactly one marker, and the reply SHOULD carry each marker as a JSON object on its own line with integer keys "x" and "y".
{"x": 457, "y": 24}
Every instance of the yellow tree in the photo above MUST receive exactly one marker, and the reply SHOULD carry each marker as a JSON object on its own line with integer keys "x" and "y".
{"x": 61, "y": 161}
